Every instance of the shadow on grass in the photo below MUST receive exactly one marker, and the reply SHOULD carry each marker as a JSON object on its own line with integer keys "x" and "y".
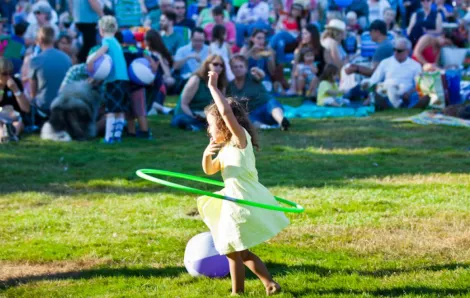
{"x": 391, "y": 292}
{"x": 93, "y": 273}
{"x": 276, "y": 269}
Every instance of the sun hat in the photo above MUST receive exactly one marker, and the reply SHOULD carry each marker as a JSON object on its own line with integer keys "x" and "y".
{"x": 336, "y": 24}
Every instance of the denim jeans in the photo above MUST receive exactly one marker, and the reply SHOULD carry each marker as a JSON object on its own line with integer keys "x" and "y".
{"x": 7, "y": 9}
{"x": 278, "y": 43}
{"x": 186, "y": 122}
{"x": 264, "y": 113}
{"x": 246, "y": 29}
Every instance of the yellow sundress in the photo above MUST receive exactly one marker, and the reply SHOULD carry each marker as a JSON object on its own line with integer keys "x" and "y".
{"x": 236, "y": 227}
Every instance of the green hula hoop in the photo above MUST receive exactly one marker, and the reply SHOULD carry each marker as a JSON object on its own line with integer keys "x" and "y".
{"x": 145, "y": 174}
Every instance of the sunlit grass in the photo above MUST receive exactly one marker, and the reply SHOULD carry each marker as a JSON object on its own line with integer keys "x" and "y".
{"x": 387, "y": 213}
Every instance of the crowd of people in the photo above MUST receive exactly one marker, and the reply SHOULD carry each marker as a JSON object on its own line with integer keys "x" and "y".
{"x": 260, "y": 49}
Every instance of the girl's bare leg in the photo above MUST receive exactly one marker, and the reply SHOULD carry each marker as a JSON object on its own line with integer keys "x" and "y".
{"x": 254, "y": 263}
{"x": 312, "y": 88}
{"x": 143, "y": 123}
{"x": 300, "y": 85}
{"x": 237, "y": 272}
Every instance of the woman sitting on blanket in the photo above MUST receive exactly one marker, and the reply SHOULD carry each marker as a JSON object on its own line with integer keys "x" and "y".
{"x": 265, "y": 111}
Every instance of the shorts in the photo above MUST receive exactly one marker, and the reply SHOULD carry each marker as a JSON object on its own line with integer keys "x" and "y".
{"x": 116, "y": 96}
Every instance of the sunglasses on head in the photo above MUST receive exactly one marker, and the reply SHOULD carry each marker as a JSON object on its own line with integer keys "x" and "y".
{"x": 217, "y": 64}
{"x": 399, "y": 50}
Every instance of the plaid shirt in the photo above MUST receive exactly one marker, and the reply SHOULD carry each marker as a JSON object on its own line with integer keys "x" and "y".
{"x": 76, "y": 73}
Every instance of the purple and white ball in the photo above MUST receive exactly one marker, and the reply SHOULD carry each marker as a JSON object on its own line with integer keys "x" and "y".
{"x": 102, "y": 67}
{"x": 140, "y": 72}
{"x": 202, "y": 259}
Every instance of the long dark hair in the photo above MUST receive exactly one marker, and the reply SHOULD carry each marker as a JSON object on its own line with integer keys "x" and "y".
{"x": 218, "y": 34}
{"x": 255, "y": 32}
{"x": 298, "y": 19}
{"x": 241, "y": 114}
{"x": 315, "y": 43}
{"x": 155, "y": 43}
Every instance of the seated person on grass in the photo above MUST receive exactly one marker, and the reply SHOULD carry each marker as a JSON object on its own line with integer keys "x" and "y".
{"x": 265, "y": 111}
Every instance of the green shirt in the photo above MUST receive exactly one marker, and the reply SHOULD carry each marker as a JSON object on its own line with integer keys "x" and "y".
{"x": 206, "y": 16}
{"x": 253, "y": 90}
{"x": 238, "y": 3}
{"x": 173, "y": 42}
{"x": 201, "y": 99}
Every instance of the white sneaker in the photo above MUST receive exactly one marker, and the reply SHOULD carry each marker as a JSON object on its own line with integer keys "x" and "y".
{"x": 265, "y": 126}
{"x": 152, "y": 112}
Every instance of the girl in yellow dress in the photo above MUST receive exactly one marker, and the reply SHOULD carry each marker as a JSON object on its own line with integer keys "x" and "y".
{"x": 235, "y": 228}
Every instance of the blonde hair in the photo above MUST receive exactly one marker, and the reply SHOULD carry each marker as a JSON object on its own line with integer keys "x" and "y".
{"x": 108, "y": 24}
{"x": 333, "y": 33}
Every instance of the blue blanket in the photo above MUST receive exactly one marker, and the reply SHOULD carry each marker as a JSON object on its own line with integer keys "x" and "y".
{"x": 311, "y": 110}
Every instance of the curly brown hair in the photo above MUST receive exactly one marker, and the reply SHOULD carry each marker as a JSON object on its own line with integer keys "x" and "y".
{"x": 203, "y": 71}
{"x": 239, "y": 109}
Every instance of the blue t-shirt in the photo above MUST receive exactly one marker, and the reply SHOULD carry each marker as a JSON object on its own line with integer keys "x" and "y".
{"x": 48, "y": 69}
{"x": 119, "y": 71}
{"x": 150, "y": 4}
{"x": 83, "y": 13}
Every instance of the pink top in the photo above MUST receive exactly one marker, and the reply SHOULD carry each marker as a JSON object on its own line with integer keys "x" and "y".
{"x": 229, "y": 26}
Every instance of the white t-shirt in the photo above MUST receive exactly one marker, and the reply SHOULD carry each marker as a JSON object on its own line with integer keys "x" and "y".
{"x": 377, "y": 9}
{"x": 393, "y": 73}
{"x": 259, "y": 12}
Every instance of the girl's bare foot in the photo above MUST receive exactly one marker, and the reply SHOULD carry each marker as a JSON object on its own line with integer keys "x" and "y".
{"x": 273, "y": 288}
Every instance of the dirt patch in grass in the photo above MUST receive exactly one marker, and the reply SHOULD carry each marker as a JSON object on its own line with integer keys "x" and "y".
{"x": 12, "y": 272}
{"x": 404, "y": 238}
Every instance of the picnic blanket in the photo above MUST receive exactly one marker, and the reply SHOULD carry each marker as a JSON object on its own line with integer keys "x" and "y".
{"x": 311, "y": 110}
{"x": 426, "y": 118}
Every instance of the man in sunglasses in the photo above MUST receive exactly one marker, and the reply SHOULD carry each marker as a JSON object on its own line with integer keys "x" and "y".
{"x": 394, "y": 78}
{"x": 43, "y": 14}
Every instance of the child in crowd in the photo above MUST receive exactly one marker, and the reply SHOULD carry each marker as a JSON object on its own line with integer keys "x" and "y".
{"x": 158, "y": 90}
{"x": 117, "y": 84}
{"x": 305, "y": 73}
{"x": 220, "y": 47}
{"x": 328, "y": 91}
{"x": 351, "y": 23}
{"x": 137, "y": 93}
{"x": 64, "y": 43}
{"x": 236, "y": 228}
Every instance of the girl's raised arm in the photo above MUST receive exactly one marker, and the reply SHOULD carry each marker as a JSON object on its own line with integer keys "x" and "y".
{"x": 226, "y": 111}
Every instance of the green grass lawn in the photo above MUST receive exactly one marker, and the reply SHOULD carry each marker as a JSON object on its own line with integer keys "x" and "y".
{"x": 387, "y": 213}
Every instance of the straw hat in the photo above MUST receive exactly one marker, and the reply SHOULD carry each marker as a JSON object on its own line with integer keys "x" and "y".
{"x": 336, "y": 24}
